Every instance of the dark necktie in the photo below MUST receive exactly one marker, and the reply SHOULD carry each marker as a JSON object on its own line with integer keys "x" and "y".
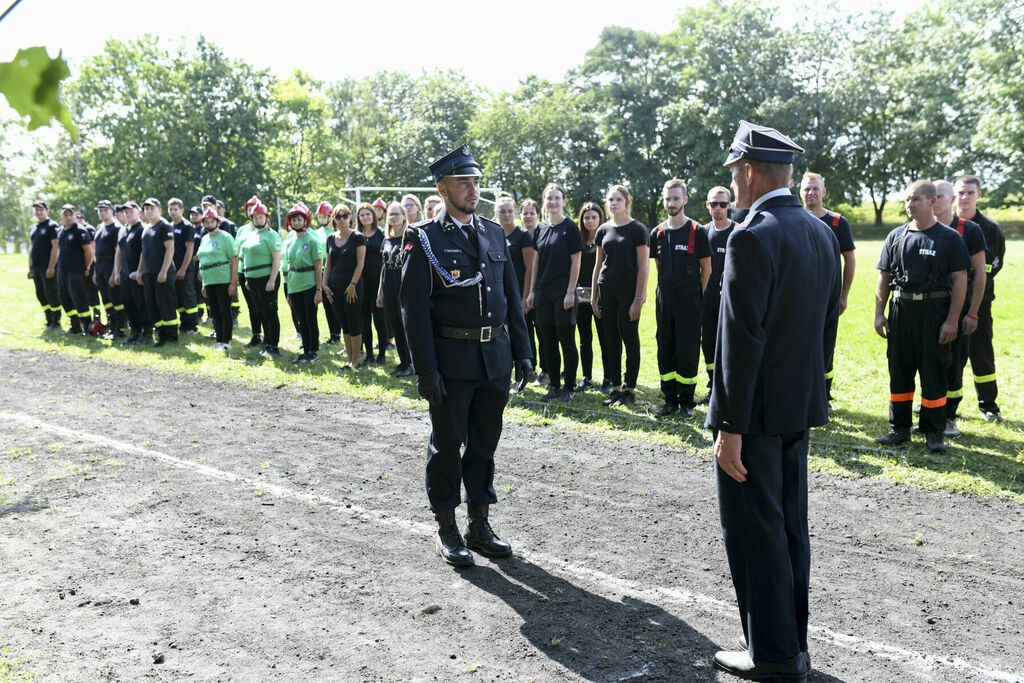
{"x": 471, "y": 236}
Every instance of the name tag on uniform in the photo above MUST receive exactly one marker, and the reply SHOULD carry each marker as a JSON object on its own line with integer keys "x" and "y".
{"x": 177, "y": 232}
{"x": 680, "y": 247}
{"x": 721, "y": 250}
{"x": 453, "y": 251}
{"x": 926, "y": 252}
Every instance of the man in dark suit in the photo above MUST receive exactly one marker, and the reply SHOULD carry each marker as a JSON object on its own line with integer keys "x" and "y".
{"x": 780, "y": 307}
{"x": 466, "y": 331}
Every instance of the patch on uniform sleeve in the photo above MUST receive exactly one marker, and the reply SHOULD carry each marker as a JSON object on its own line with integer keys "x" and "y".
{"x": 408, "y": 246}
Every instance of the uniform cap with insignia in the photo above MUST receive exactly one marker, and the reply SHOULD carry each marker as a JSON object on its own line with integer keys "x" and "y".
{"x": 105, "y": 204}
{"x": 458, "y": 163}
{"x": 195, "y": 209}
{"x": 67, "y": 207}
{"x": 131, "y": 204}
{"x": 761, "y": 143}
{"x": 41, "y": 204}
{"x": 152, "y": 201}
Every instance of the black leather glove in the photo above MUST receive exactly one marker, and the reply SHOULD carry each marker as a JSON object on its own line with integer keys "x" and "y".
{"x": 523, "y": 369}
{"x": 431, "y": 387}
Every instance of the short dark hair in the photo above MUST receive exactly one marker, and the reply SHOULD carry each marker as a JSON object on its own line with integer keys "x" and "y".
{"x": 970, "y": 180}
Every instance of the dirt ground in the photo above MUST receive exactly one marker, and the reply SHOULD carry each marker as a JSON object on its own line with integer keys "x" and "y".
{"x": 161, "y": 527}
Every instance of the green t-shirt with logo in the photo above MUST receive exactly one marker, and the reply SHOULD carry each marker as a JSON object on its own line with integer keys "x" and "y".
{"x": 215, "y": 254}
{"x": 257, "y": 251}
{"x": 300, "y": 254}
{"x": 240, "y": 236}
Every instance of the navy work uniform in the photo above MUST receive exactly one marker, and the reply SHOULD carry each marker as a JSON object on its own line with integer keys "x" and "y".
{"x": 42, "y": 246}
{"x": 781, "y": 291}
{"x": 920, "y": 264}
{"x": 982, "y": 354}
{"x": 106, "y": 247}
{"x": 465, "y": 326}
{"x": 679, "y": 253}
{"x": 72, "y": 270}
{"x": 129, "y": 243}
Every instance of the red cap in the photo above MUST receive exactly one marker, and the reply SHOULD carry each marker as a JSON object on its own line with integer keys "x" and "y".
{"x": 324, "y": 209}
{"x": 259, "y": 208}
{"x": 211, "y": 213}
{"x": 300, "y": 209}
{"x": 252, "y": 200}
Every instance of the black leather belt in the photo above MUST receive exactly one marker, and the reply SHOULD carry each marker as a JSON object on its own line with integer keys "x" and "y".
{"x": 920, "y": 296}
{"x": 481, "y": 334}
{"x": 304, "y": 269}
{"x": 214, "y": 265}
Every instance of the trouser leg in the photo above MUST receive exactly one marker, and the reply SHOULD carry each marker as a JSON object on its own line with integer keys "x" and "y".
{"x": 585, "y": 327}
{"x": 255, "y": 322}
{"x": 666, "y": 338}
{"x": 92, "y": 293}
{"x": 934, "y": 363}
{"x": 904, "y": 335}
{"x": 484, "y": 429}
{"x": 393, "y": 310}
{"x": 266, "y": 303}
{"x": 610, "y": 313}
{"x": 764, "y": 526}
{"x": 959, "y": 351}
{"x": 333, "y": 323}
{"x": 687, "y": 351}
{"x": 188, "y": 305}
{"x": 983, "y": 361}
{"x": 166, "y": 305}
{"x": 531, "y": 331}
{"x": 709, "y": 333}
{"x": 449, "y": 424}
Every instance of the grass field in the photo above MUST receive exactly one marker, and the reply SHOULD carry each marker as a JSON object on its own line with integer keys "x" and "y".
{"x": 988, "y": 460}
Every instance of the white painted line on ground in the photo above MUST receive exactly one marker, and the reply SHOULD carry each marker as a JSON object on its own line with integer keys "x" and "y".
{"x": 921, "y": 662}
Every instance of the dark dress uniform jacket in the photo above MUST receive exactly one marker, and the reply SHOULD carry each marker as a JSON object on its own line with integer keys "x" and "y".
{"x": 427, "y": 303}
{"x": 777, "y": 324}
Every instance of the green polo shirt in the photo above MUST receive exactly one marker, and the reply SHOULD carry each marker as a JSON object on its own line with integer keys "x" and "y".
{"x": 215, "y": 254}
{"x": 257, "y": 251}
{"x": 300, "y": 254}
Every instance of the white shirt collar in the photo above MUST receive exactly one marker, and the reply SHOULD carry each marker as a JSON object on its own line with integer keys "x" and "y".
{"x": 780, "y": 192}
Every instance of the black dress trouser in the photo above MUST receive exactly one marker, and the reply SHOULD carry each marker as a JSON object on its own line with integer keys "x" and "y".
{"x": 764, "y": 525}
{"x": 73, "y": 297}
{"x": 373, "y": 317}
{"x": 472, "y": 415}
{"x": 709, "y": 329}
{"x": 46, "y": 294}
{"x": 219, "y": 302}
{"x": 620, "y": 331}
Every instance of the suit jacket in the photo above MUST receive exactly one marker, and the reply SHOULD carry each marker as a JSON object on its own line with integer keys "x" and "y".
{"x": 430, "y": 300}
{"x": 777, "y": 322}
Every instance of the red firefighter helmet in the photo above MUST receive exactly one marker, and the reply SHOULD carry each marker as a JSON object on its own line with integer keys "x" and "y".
{"x": 211, "y": 213}
{"x": 259, "y": 208}
{"x": 300, "y": 209}
{"x": 324, "y": 209}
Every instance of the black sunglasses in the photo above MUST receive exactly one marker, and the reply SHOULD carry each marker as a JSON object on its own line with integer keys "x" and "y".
{"x": 719, "y": 205}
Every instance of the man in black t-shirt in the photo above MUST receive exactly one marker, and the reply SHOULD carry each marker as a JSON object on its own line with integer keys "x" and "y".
{"x": 184, "y": 281}
{"x": 682, "y": 253}
{"x": 42, "y": 263}
{"x": 974, "y": 239}
{"x": 126, "y": 261}
{"x": 74, "y": 260}
{"x": 195, "y": 217}
{"x": 924, "y": 264}
{"x": 156, "y": 272}
{"x": 718, "y": 231}
{"x": 982, "y": 354}
{"x": 812, "y": 191}
{"x": 105, "y": 241}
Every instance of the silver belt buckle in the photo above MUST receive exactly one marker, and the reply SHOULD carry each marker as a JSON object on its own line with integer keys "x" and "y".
{"x": 917, "y": 296}
{"x": 485, "y": 334}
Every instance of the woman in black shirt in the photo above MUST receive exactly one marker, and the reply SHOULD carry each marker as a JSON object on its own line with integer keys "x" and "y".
{"x": 553, "y": 290}
{"x": 590, "y": 218}
{"x": 346, "y": 258}
{"x": 620, "y": 271}
{"x": 529, "y": 214}
{"x": 373, "y": 316}
{"x": 390, "y": 286}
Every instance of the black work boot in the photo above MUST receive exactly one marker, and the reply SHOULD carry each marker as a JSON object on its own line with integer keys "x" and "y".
{"x": 936, "y": 442}
{"x": 895, "y": 437}
{"x": 480, "y": 537}
{"x": 449, "y": 541}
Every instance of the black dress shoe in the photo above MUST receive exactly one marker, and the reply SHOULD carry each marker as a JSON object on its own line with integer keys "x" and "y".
{"x": 741, "y": 643}
{"x": 448, "y": 541}
{"x": 553, "y": 393}
{"x": 254, "y": 342}
{"x": 685, "y": 411}
{"x": 613, "y": 398}
{"x": 740, "y": 665}
{"x": 669, "y": 408}
{"x": 480, "y": 537}
{"x": 895, "y": 437}
{"x": 404, "y": 371}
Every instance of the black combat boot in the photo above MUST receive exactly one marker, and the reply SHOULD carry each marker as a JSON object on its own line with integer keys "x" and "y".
{"x": 480, "y": 537}
{"x": 449, "y": 541}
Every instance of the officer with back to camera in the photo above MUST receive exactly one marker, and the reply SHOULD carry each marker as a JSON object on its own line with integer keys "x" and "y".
{"x": 780, "y": 307}
{"x": 466, "y": 331}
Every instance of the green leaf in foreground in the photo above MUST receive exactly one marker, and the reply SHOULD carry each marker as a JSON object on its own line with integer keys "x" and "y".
{"x": 31, "y": 82}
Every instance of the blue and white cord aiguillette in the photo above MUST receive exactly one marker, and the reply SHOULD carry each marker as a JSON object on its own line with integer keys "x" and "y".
{"x": 446, "y": 277}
